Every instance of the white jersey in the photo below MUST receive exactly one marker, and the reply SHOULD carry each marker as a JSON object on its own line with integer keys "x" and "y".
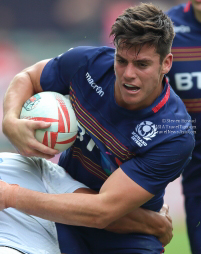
{"x": 26, "y": 233}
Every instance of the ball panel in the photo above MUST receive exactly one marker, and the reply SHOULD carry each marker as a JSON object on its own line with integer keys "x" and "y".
{"x": 63, "y": 113}
{"x": 64, "y": 137}
{"x": 41, "y": 105}
{"x": 68, "y": 114}
{"x": 65, "y": 140}
{"x": 54, "y": 108}
{"x": 56, "y": 140}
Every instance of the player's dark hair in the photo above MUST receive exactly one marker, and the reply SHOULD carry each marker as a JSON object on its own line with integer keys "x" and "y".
{"x": 144, "y": 24}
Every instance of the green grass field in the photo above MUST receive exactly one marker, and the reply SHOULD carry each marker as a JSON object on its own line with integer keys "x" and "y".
{"x": 179, "y": 243}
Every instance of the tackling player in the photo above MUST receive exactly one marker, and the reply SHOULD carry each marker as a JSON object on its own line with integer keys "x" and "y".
{"x": 125, "y": 151}
{"x": 23, "y": 232}
{"x": 185, "y": 78}
{"x": 30, "y": 234}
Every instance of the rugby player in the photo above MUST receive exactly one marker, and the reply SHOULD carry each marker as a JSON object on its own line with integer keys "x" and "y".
{"x": 20, "y": 232}
{"x": 23, "y": 232}
{"x": 121, "y": 98}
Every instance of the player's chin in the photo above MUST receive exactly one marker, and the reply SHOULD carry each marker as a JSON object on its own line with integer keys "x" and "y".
{"x": 131, "y": 105}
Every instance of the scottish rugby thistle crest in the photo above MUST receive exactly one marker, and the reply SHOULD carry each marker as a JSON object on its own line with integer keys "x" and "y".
{"x": 147, "y": 130}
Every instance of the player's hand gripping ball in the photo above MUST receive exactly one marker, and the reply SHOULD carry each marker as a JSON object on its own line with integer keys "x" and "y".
{"x": 54, "y": 108}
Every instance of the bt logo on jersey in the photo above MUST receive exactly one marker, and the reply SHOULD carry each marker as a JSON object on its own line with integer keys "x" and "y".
{"x": 184, "y": 81}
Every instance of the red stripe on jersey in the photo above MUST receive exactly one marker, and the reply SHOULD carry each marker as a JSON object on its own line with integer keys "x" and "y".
{"x": 68, "y": 141}
{"x": 53, "y": 136}
{"x": 65, "y": 111}
{"x": 45, "y": 139}
{"x": 163, "y": 101}
{"x": 187, "y": 7}
{"x": 61, "y": 127}
{"x": 45, "y": 119}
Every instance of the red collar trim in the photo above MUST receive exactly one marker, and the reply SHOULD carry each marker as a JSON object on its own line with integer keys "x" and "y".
{"x": 163, "y": 101}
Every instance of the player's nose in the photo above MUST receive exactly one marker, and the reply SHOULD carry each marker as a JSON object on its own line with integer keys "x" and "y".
{"x": 129, "y": 72}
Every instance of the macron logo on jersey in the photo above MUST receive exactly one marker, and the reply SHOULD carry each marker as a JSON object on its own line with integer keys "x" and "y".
{"x": 182, "y": 29}
{"x": 91, "y": 82}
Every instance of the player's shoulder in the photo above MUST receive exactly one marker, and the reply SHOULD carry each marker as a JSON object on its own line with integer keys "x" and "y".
{"x": 92, "y": 49}
{"x": 95, "y": 59}
{"x": 90, "y": 53}
{"x": 22, "y": 163}
{"x": 173, "y": 121}
{"x": 97, "y": 56}
{"x": 5, "y": 156}
{"x": 168, "y": 123}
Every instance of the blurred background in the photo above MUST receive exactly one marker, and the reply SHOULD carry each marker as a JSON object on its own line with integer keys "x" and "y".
{"x": 31, "y": 31}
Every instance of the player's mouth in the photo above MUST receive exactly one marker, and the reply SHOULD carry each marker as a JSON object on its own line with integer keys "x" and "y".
{"x": 132, "y": 88}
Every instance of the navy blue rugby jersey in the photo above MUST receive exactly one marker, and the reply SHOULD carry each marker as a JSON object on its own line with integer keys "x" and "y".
{"x": 185, "y": 78}
{"x": 150, "y": 145}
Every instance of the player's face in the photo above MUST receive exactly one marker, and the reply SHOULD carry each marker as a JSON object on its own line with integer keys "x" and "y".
{"x": 139, "y": 76}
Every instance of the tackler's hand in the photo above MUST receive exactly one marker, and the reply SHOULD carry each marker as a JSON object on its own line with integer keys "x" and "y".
{"x": 166, "y": 237}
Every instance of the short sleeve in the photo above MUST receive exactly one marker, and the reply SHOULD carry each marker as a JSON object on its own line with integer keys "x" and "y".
{"x": 58, "y": 72}
{"x": 161, "y": 165}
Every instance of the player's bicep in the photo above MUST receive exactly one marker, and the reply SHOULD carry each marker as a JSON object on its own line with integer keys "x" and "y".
{"x": 34, "y": 73}
{"x": 121, "y": 195}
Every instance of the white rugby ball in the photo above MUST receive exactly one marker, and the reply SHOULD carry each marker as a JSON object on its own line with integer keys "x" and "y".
{"x": 56, "y": 109}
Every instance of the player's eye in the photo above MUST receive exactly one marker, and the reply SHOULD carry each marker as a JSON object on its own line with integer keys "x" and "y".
{"x": 142, "y": 65}
{"x": 121, "y": 61}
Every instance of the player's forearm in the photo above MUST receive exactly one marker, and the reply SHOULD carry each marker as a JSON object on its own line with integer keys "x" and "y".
{"x": 139, "y": 221}
{"x": 85, "y": 209}
{"x": 20, "y": 89}
{"x": 72, "y": 209}
{"x": 18, "y": 92}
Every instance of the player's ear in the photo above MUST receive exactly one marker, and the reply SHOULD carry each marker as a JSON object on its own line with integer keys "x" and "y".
{"x": 167, "y": 63}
